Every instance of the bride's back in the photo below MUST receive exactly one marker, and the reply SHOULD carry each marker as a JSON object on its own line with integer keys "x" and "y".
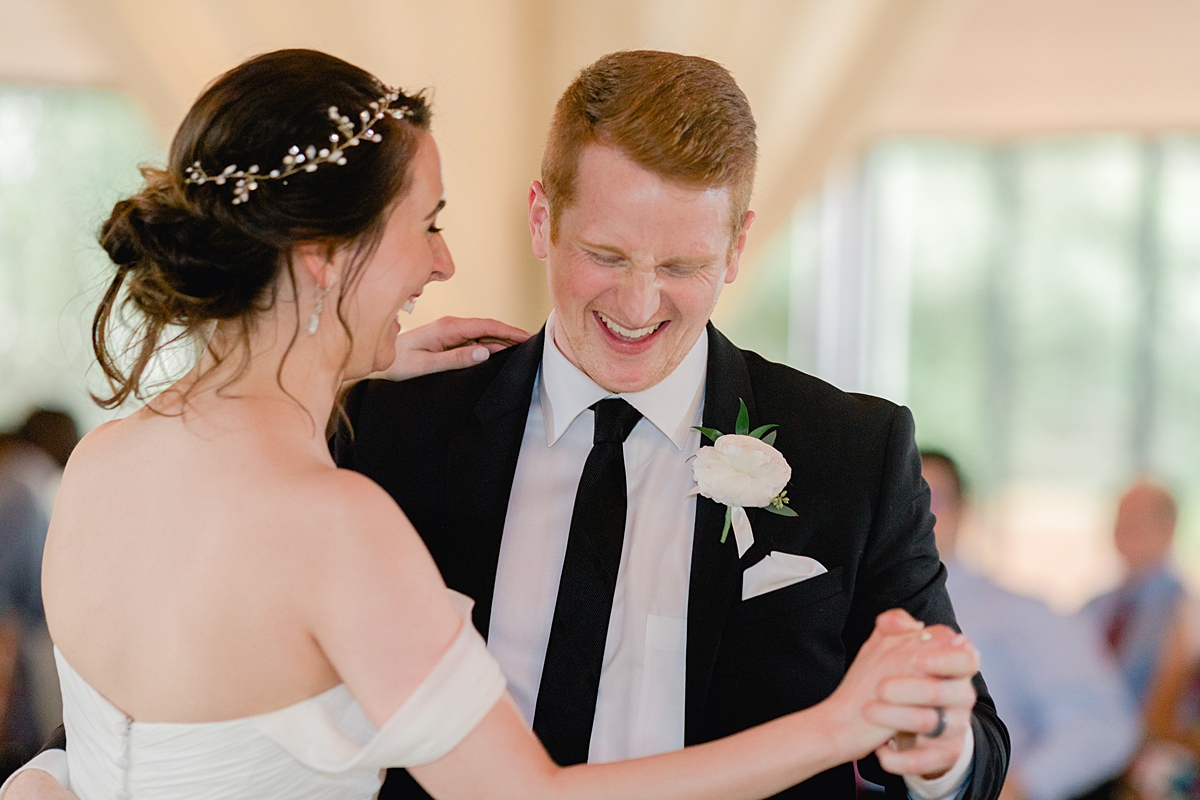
{"x": 192, "y": 549}
{"x": 186, "y": 541}
{"x": 207, "y": 560}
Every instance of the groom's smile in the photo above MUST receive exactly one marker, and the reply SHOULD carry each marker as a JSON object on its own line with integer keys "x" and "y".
{"x": 635, "y": 267}
{"x": 630, "y": 340}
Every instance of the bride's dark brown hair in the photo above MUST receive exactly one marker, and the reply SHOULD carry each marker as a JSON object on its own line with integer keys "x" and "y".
{"x": 186, "y": 256}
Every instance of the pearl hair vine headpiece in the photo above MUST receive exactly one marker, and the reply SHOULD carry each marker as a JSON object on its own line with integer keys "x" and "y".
{"x": 308, "y": 159}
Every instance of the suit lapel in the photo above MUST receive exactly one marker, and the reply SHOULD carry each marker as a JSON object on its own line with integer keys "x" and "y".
{"x": 716, "y": 576}
{"x": 482, "y": 462}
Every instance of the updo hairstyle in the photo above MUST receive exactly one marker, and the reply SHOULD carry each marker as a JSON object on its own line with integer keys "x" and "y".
{"x": 186, "y": 256}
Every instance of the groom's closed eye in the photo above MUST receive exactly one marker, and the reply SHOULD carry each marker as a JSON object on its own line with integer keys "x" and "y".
{"x": 683, "y": 270}
{"x": 607, "y": 259}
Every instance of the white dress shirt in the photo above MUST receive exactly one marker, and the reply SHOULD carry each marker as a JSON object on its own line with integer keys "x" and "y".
{"x": 639, "y": 706}
{"x": 640, "y": 702}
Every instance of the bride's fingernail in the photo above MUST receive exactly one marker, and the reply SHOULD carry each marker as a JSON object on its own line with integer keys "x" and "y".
{"x": 926, "y": 636}
{"x": 480, "y": 354}
{"x": 958, "y": 639}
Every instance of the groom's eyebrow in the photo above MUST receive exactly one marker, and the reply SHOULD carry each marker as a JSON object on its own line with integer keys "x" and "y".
{"x": 616, "y": 251}
{"x": 441, "y": 204}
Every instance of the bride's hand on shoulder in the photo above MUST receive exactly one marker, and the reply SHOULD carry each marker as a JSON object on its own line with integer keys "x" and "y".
{"x": 450, "y": 343}
{"x": 901, "y": 656}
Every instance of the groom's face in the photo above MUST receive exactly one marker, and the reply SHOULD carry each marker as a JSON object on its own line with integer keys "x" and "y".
{"x": 635, "y": 269}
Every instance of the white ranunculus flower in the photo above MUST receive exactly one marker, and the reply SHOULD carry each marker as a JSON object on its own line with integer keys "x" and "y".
{"x": 740, "y": 471}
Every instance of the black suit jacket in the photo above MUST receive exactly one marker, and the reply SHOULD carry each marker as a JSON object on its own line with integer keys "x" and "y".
{"x": 445, "y": 447}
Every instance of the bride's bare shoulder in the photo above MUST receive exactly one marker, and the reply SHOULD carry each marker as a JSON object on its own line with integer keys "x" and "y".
{"x": 97, "y": 437}
{"x": 355, "y": 498}
{"x": 98, "y": 446}
{"x": 346, "y": 510}
{"x": 359, "y": 544}
{"x": 119, "y": 438}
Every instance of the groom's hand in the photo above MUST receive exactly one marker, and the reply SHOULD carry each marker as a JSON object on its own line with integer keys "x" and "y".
{"x": 911, "y": 703}
{"x": 450, "y": 343}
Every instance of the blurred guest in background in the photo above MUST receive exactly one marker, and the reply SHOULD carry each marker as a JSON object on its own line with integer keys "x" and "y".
{"x": 31, "y": 463}
{"x": 1073, "y": 724}
{"x": 1169, "y": 765}
{"x": 1135, "y": 617}
{"x": 39, "y": 451}
{"x": 1168, "y": 768}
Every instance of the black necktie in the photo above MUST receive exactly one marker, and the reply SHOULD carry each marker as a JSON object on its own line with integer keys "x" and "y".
{"x": 566, "y": 703}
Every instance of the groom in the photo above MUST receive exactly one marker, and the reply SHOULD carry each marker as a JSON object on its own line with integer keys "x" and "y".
{"x": 627, "y": 622}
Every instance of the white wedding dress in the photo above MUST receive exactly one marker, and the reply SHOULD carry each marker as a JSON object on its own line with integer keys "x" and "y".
{"x": 322, "y": 748}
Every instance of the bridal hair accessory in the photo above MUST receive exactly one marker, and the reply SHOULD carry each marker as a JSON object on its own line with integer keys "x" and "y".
{"x": 742, "y": 470}
{"x": 308, "y": 159}
{"x": 314, "y": 321}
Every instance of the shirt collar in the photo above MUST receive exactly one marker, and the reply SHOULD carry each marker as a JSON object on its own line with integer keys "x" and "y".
{"x": 671, "y": 404}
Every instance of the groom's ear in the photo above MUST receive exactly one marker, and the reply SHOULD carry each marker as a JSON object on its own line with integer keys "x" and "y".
{"x": 539, "y": 221}
{"x": 738, "y": 247}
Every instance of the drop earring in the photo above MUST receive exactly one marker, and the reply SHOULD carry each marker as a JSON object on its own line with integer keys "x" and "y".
{"x": 315, "y": 320}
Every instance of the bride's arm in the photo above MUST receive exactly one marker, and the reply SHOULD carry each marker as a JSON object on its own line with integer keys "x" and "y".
{"x": 500, "y": 759}
{"x": 378, "y": 608}
{"x": 35, "y": 784}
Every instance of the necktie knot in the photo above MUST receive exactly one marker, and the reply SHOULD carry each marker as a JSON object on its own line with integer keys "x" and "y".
{"x": 615, "y": 420}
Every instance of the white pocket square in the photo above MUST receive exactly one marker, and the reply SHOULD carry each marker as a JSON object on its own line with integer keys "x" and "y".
{"x": 778, "y": 570}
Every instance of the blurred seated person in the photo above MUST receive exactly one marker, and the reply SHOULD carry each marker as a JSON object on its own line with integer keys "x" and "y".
{"x": 1072, "y": 723}
{"x": 31, "y": 462}
{"x": 38, "y": 451}
{"x": 1169, "y": 764}
{"x": 1168, "y": 768}
{"x": 1135, "y": 617}
{"x": 22, "y": 536}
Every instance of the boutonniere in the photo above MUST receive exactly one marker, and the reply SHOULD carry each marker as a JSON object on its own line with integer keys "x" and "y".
{"x": 742, "y": 470}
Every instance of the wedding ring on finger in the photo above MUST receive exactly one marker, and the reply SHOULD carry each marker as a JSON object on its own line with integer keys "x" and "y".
{"x": 940, "y": 728}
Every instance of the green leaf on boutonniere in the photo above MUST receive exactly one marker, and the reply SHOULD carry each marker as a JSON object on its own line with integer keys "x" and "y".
{"x": 760, "y": 431}
{"x": 712, "y": 433}
{"x": 743, "y": 419}
{"x": 778, "y": 505}
{"x": 782, "y": 511}
{"x": 728, "y": 523}
{"x": 770, "y": 438}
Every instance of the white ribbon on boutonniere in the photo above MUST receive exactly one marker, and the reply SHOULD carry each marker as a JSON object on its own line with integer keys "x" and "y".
{"x": 742, "y": 470}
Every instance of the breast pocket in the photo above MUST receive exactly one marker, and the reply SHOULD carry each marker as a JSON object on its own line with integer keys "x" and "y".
{"x": 791, "y": 598}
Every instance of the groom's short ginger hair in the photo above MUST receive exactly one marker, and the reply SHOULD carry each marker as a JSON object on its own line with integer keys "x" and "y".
{"x": 681, "y": 117}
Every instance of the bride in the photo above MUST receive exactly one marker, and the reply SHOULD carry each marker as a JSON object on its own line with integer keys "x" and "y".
{"x": 235, "y": 617}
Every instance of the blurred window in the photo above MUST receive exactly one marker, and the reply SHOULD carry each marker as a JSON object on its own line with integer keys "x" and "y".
{"x": 66, "y": 155}
{"x": 1037, "y": 306}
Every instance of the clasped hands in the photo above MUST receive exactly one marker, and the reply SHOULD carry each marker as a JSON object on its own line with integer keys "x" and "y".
{"x": 908, "y": 678}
